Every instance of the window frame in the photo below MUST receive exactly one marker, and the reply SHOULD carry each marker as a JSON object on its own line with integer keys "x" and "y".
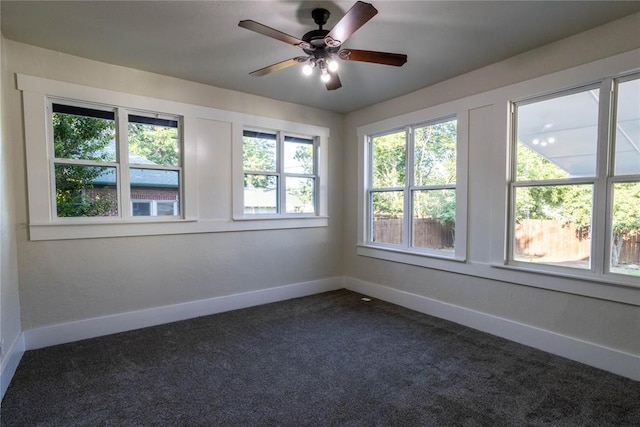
{"x": 407, "y": 253}
{"x": 281, "y": 175}
{"x": 602, "y": 182}
{"x": 212, "y": 153}
{"x": 318, "y": 136}
{"x": 122, "y": 164}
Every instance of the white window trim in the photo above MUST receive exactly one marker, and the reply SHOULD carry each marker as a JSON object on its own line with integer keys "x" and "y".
{"x": 499, "y": 100}
{"x": 282, "y": 175}
{"x": 320, "y": 135}
{"x": 420, "y": 256}
{"x": 121, "y": 164}
{"x": 41, "y": 226}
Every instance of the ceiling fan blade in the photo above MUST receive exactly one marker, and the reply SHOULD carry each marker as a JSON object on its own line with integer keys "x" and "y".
{"x": 334, "y": 83}
{"x": 385, "y": 58}
{"x": 355, "y": 18}
{"x": 273, "y": 33}
{"x": 279, "y": 66}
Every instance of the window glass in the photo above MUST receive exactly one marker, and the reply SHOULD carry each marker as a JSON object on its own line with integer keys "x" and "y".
{"x": 627, "y": 132}
{"x": 260, "y": 194}
{"x": 387, "y": 215}
{"x": 434, "y": 219}
{"x": 298, "y": 155}
{"x": 300, "y": 195}
{"x": 141, "y": 208}
{"x": 557, "y": 138}
{"x": 429, "y": 192}
{"x": 166, "y": 208}
{"x": 279, "y": 173}
{"x": 389, "y": 160}
{"x": 153, "y": 141}
{"x": 553, "y": 225}
{"x": 85, "y": 191}
{"x": 154, "y": 185}
{"x": 83, "y": 133}
{"x": 435, "y": 154}
{"x": 625, "y": 229}
{"x": 259, "y": 152}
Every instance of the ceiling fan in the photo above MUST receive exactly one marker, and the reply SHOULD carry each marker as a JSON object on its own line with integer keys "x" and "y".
{"x": 322, "y": 46}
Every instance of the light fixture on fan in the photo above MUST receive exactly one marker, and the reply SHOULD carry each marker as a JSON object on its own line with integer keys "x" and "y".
{"x": 322, "y": 47}
{"x": 326, "y": 67}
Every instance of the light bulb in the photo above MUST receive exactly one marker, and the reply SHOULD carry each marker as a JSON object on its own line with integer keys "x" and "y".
{"x": 551, "y": 140}
{"x": 333, "y": 65}
{"x": 307, "y": 70}
{"x": 325, "y": 77}
{"x": 535, "y": 142}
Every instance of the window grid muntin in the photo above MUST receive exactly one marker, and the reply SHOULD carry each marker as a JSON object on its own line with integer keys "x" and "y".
{"x": 281, "y": 176}
{"x": 409, "y": 186}
{"x": 602, "y": 183}
{"x": 121, "y": 163}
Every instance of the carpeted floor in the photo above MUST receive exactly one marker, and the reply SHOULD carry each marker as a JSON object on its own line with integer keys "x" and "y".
{"x": 325, "y": 360}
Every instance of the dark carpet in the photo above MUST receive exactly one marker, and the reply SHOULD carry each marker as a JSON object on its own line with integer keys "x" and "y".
{"x": 325, "y": 360}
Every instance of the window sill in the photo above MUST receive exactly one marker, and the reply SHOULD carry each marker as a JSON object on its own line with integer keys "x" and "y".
{"x": 129, "y": 228}
{"x": 575, "y": 274}
{"x": 419, "y": 258}
{"x": 606, "y": 287}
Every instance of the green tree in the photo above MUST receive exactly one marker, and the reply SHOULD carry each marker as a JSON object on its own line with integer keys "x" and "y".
{"x": 626, "y": 217}
{"x": 82, "y": 138}
{"x": 157, "y": 144}
{"x": 389, "y": 170}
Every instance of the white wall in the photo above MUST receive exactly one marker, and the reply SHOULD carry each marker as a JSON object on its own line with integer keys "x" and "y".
{"x": 612, "y": 325}
{"x": 9, "y": 296}
{"x": 70, "y": 280}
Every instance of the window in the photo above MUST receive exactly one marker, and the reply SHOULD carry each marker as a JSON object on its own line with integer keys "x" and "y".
{"x": 95, "y": 172}
{"x": 279, "y": 173}
{"x": 412, "y": 193}
{"x": 561, "y": 179}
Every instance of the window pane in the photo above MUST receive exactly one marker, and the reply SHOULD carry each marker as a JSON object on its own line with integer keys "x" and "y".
{"x": 153, "y": 141}
{"x": 259, "y": 152}
{"x": 557, "y": 137}
{"x": 387, "y": 208}
{"x": 83, "y": 133}
{"x": 625, "y": 238}
{"x": 434, "y": 219}
{"x": 166, "y": 208}
{"x": 298, "y": 156}
{"x": 300, "y": 195}
{"x": 153, "y": 184}
{"x": 260, "y": 194}
{"x": 85, "y": 191}
{"x": 627, "y": 159}
{"x": 389, "y": 155}
{"x": 141, "y": 208}
{"x": 553, "y": 225}
{"x": 435, "y": 154}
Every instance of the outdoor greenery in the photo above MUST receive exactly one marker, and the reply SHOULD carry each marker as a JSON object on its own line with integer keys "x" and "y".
{"x": 434, "y": 165}
{"x": 94, "y": 140}
{"x": 157, "y": 144}
{"x": 572, "y": 203}
{"x": 84, "y": 138}
{"x": 260, "y": 157}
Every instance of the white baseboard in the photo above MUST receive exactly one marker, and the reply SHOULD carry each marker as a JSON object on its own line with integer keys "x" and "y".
{"x": 90, "y": 328}
{"x": 10, "y": 363}
{"x": 608, "y": 359}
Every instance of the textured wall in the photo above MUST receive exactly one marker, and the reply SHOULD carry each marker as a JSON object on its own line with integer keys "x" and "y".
{"x": 607, "y": 323}
{"x": 62, "y": 281}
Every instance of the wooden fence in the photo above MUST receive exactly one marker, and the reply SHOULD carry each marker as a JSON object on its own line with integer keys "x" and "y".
{"x": 428, "y": 233}
{"x": 534, "y": 238}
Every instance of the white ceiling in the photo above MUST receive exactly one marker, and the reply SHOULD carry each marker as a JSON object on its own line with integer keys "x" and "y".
{"x": 201, "y": 40}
